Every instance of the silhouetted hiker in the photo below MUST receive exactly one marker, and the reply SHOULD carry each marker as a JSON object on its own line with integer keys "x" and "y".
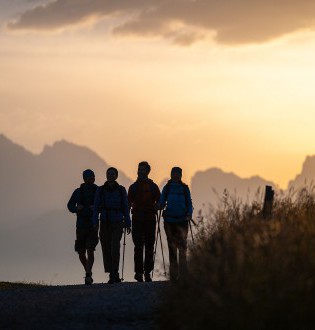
{"x": 81, "y": 203}
{"x": 143, "y": 196}
{"x": 112, "y": 204}
{"x": 176, "y": 200}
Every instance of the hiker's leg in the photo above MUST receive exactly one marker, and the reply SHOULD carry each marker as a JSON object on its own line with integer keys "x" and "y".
{"x": 90, "y": 247}
{"x": 172, "y": 249}
{"x": 90, "y": 260}
{"x": 138, "y": 241}
{"x": 117, "y": 231}
{"x": 105, "y": 237}
{"x": 150, "y": 226}
{"x": 182, "y": 246}
{"x": 80, "y": 246}
{"x": 83, "y": 260}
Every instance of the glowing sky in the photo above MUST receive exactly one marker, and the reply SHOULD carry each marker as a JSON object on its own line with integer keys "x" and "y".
{"x": 194, "y": 83}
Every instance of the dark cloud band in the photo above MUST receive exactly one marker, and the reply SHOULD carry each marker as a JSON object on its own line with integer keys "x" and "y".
{"x": 182, "y": 21}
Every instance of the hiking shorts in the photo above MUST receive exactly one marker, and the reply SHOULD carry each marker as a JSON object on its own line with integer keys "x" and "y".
{"x": 87, "y": 239}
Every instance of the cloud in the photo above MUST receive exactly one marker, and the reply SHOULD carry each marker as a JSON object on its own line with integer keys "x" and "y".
{"x": 182, "y": 21}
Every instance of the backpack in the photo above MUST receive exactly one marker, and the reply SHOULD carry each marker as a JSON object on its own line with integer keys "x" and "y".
{"x": 167, "y": 191}
{"x": 142, "y": 205}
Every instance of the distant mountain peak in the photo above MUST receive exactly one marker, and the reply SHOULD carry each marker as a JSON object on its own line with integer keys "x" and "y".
{"x": 216, "y": 171}
{"x": 8, "y": 145}
{"x": 213, "y": 171}
{"x": 208, "y": 187}
{"x": 309, "y": 165}
{"x": 307, "y": 175}
{"x": 64, "y": 146}
{"x": 60, "y": 144}
{"x": 5, "y": 140}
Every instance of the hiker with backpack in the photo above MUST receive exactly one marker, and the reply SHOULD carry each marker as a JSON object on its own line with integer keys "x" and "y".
{"x": 112, "y": 212}
{"x": 81, "y": 203}
{"x": 143, "y": 196}
{"x": 177, "y": 205}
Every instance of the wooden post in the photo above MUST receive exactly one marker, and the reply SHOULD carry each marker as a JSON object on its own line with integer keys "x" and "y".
{"x": 268, "y": 202}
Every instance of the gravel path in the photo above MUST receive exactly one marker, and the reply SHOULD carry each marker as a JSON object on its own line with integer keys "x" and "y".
{"x": 100, "y": 306}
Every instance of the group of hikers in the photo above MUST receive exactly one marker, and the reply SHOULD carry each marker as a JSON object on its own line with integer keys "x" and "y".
{"x": 103, "y": 213}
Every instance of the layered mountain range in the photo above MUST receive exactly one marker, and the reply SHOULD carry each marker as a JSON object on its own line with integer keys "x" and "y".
{"x": 36, "y": 230}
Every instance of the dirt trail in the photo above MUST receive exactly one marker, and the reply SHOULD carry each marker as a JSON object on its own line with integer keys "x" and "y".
{"x": 100, "y": 306}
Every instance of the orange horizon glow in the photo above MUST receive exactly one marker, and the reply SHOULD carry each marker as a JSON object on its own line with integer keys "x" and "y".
{"x": 247, "y": 109}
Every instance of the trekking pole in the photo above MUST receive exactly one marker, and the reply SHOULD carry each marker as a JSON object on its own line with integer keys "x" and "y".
{"x": 192, "y": 236}
{"x": 123, "y": 261}
{"x": 193, "y": 222}
{"x": 156, "y": 241}
{"x": 162, "y": 250}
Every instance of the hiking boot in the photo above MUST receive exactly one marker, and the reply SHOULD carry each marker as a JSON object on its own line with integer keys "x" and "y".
{"x": 174, "y": 279}
{"x": 139, "y": 277}
{"x": 114, "y": 278}
{"x": 88, "y": 280}
{"x": 147, "y": 277}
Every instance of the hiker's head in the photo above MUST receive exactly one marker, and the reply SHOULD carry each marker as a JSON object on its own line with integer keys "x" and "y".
{"x": 88, "y": 176}
{"x": 112, "y": 174}
{"x": 143, "y": 170}
{"x": 176, "y": 174}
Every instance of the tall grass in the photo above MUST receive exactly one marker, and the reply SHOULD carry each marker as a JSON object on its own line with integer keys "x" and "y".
{"x": 247, "y": 272}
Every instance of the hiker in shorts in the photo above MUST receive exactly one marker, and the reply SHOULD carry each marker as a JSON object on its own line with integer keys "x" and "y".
{"x": 112, "y": 212}
{"x": 81, "y": 203}
{"x": 143, "y": 196}
{"x": 176, "y": 202}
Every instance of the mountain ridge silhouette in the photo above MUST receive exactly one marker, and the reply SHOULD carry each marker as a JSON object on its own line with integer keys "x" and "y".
{"x": 36, "y": 230}
{"x": 34, "y": 184}
{"x": 306, "y": 176}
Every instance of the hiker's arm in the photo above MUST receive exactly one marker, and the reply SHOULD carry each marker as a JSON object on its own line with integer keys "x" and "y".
{"x": 189, "y": 201}
{"x": 157, "y": 194}
{"x": 125, "y": 207}
{"x": 72, "y": 204}
{"x": 131, "y": 196}
{"x": 162, "y": 201}
{"x": 96, "y": 210}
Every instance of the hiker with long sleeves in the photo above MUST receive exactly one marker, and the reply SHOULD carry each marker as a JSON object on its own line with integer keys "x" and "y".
{"x": 81, "y": 203}
{"x": 176, "y": 202}
{"x": 143, "y": 196}
{"x": 112, "y": 212}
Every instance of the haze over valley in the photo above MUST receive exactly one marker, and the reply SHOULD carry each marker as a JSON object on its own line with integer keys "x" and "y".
{"x": 37, "y": 232}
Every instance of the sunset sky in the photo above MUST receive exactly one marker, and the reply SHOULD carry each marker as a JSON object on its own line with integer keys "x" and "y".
{"x": 194, "y": 83}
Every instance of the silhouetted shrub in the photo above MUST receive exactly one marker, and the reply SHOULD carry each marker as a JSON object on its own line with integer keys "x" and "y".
{"x": 249, "y": 273}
